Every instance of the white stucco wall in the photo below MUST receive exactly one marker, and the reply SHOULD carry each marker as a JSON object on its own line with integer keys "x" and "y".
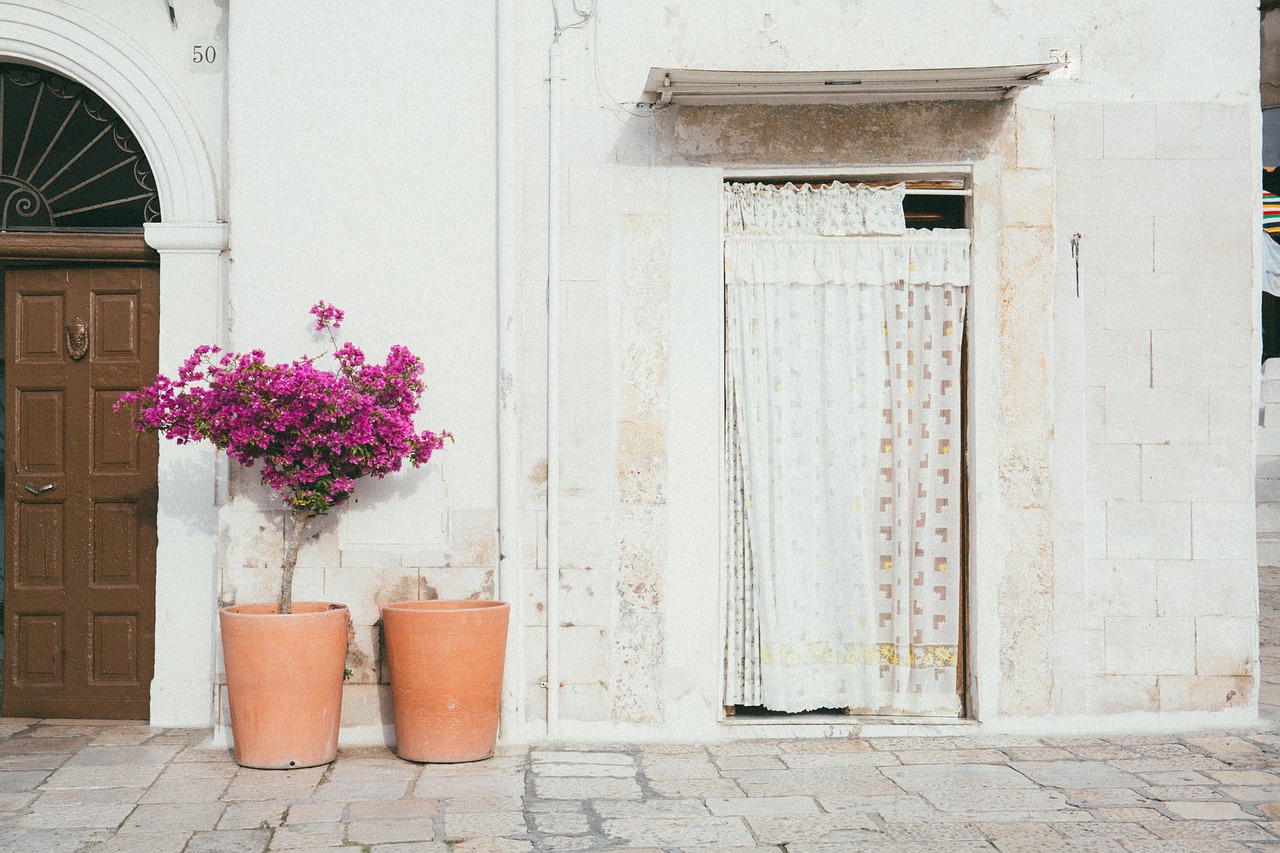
{"x": 350, "y": 151}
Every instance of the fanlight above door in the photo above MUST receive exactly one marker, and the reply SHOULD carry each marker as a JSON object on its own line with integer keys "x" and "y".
{"x": 67, "y": 160}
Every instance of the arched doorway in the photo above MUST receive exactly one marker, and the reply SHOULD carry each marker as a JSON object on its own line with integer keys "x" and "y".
{"x": 81, "y": 321}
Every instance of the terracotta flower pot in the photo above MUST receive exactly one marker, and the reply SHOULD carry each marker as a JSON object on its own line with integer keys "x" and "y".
{"x": 446, "y": 661}
{"x": 284, "y": 681}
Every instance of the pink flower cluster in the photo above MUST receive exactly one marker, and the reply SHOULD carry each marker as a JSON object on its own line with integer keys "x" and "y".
{"x": 313, "y": 432}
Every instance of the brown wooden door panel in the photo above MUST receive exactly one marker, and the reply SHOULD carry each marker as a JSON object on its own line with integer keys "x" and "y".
{"x": 80, "y": 493}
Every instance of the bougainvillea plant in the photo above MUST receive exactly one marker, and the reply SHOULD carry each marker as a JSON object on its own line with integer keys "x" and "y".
{"x": 312, "y": 432}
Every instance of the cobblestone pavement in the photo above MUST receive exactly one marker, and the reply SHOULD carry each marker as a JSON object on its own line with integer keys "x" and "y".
{"x": 80, "y": 787}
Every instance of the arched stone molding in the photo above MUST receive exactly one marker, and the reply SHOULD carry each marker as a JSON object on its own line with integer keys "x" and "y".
{"x": 192, "y": 243}
{"x": 78, "y": 44}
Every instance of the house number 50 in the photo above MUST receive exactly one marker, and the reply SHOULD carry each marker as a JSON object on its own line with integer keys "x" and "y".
{"x": 206, "y": 57}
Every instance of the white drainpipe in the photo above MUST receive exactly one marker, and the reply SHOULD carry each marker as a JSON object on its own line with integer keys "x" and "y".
{"x": 554, "y": 80}
{"x": 508, "y": 275}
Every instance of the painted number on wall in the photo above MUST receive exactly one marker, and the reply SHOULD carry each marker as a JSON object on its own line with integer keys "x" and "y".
{"x": 205, "y": 56}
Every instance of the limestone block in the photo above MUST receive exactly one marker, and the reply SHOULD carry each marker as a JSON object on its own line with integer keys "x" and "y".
{"x": 1225, "y": 645}
{"x": 1150, "y": 646}
{"x": 473, "y": 537}
{"x": 1171, "y": 301}
{"x": 584, "y": 655}
{"x": 1121, "y": 694}
{"x": 1271, "y": 415}
{"x": 1268, "y": 443}
{"x": 447, "y": 582}
{"x": 366, "y": 705}
{"x": 1197, "y": 472}
{"x": 1035, "y": 138}
{"x": 587, "y": 306}
{"x": 1206, "y": 588}
{"x": 1079, "y": 131}
{"x": 1110, "y": 243}
{"x": 588, "y": 538}
{"x": 1218, "y": 243}
{"x": 251, "y": 535}
{"x": 584, "y": 252}
{"x": 1114, "y": 471}
{"x": 586, "y": 596}
{"x": 1231, "y": 417}
{"x": 364, "y": 591}
{"x": 1204, "y": 693}
{"x": 1129, "y": 131}
{"x": 1268, "y": 550}
{"x": 1120, "y": 588}
{"x": 1156, "y": 415}
{"x": 1268, "y": 469}
{"x": 1198, "y": 130}
{"x": 1080, "y": 653}
{"x": 591, "y": 197}
{"x": 1095, "y": 529}
{"x": 248, "y": 584}
{"x": 585, "y": 703}
{"x": 1223, "y": 530}
{"x": 1027, "y": 197}
{"x": 1149, "y": 530}
{"x": 364, "y": 656}
{"x": 1268, "y": 516}
{"x": 1190, "y": 357}
{"x": 534, "y": 589}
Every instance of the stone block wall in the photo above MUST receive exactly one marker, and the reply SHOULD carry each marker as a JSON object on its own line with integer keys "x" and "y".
{"x": 1157, "y": 613}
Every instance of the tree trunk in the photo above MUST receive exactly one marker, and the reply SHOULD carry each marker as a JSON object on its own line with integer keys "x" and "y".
{"x": 301, "y": 518}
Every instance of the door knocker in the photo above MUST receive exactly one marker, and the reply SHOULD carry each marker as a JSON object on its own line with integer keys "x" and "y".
{"x": 77, "y": 339}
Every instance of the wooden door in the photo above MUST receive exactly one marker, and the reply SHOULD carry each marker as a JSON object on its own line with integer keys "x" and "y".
{"x": 80, "y": 493}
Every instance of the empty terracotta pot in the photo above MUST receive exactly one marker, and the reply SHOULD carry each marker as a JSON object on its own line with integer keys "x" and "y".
{"x": 284, "y": 682}
{"x": 446, "y": 660}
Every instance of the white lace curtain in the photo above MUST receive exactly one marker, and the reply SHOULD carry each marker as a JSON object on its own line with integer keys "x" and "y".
{"x": 843, "y": 456}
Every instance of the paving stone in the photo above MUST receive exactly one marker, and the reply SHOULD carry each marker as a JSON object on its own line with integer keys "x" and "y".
{"x": 1076, "y": 774}
{"x": 1206, "y": 811}
{"x": 889, "y": 846}
{"x": 540, "y": 756}
{"x": 20, "y": 780}
{"x": 997, "y": 800}
{"x": 303, "y": 813}
{"x": 1095, "y": 798}
{"x": 1164, "y": 793}
{"x": 230, "y": 841}
{"x": 1251, "y": 794}
{"x": 752, "y": 762}
{"x": 482, "y": 804}
{"x": 762, "y": 806}
{"x": 412, "y": 847}
{"x": 1212, "y": 830}
{"x": 915, "y": 832}
{"x": 923, "y": 777}
{"x": 678, "y": 832}
{"x": 308, "y": 837}
{"x": 842, "y": 759}
{"x": 452, "y": 787}
{"x": 390, "y": 809}
{"x": 585, "y": 770}
{"x": 489, "y": 824}
{"x": 650, "y": 808}
{"x": 254, "y": 814}
{"x": 161, "y": 817}
{"x": 818, "y": 827}
{"x": 274, "y": 784}
{"x": 116, "y": 755}
{"x": 950, "y": 756}
{"x": 1178, "y": 777}
{"x": 699, "y": 788}
{"x": 1243, "y": 777}
{"x": 139, "y": 776}
{"x": 1063, "y": 845}
{"x": 389, "y": 789}
{"x": 582, "y": 789}
{"x": 75, "y": 796}
{"x": 89, "y": 815}
{"x": 491, "y": 845}
{"x": 561, "y": 823}
{"x": 147, "y": 842}
{"x": 383, "y": 831}
{"x": 185, "y": 790}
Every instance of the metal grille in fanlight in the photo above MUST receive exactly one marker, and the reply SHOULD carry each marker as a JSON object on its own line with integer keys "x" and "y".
{"x": 67, "y": 160}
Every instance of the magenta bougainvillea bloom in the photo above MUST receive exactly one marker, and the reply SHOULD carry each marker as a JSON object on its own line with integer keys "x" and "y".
{"x": 312, "y": 432}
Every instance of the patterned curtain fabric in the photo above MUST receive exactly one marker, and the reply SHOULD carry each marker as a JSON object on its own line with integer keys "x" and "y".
{"x": 843, "y": 453}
